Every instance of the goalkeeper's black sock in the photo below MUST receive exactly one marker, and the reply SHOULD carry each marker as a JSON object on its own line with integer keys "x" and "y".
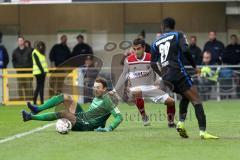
{"x": 183, "y": 106}
{"x": 199, "y": 111}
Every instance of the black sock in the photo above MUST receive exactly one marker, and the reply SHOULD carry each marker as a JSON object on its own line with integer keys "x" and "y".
{"x": 200, "y": 116}
{"x": 183, "y": 106}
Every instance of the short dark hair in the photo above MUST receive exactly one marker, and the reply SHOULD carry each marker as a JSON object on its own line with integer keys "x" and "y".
{"x": 27, "y": 41}
{"x": 89, "y": 57}
{"x": 207, "y": 52}
{"x": 63, "y": 36}
{"x": 40, "y": 45}
{"x": 212, "y": 31}
{"x": 102, "y": 81}
{"x": 138, "y": 41}
{"x": 195, "y": 37}
{"x": 80, "y": 36}
{"x": 233, "y": 35}
{"x": 20, "y": 37}
{"x": 168, "y": 23}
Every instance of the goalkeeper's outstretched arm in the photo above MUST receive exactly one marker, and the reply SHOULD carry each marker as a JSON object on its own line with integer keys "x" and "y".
{"x": 118, "y": 118}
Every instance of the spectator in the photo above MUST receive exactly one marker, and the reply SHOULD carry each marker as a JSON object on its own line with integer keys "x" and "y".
{"x": 207, "y": 58}
{"x": 60, "y": 52}
{"x": 82, "y": 48}
{"x": 215, "y": 47}
{"x": 22, "y": 58}
{"x": 195, "y": 51}
{"x": 90, "y": 72}
{"x": 40, "y": 70}
{"x": 208, "y": 76}
{"x": 158, "y": 35}
{"x": 231, "y": 54}
{"x": 142, "y": 36}
{"x": 28, "y": 44}
{"x": 4, "y": 59}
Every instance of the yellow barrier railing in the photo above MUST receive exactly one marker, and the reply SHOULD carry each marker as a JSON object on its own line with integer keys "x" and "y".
{"x": 19, "y": 84}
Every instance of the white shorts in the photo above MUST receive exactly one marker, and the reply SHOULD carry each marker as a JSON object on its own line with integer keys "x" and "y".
{"x": 149, "y": 92}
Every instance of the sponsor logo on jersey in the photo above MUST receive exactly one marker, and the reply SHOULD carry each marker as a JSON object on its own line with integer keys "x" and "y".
{"x": 164, "y": 40}
{"x": 138, "y": 74}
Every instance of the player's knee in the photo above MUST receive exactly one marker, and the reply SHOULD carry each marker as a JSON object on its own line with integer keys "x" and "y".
{"x": 61, "y": 114}
{"x": 67, "y": 98}
{"x": 137, "y": 94}
{"x": 67, "y": 115}
{"x": 196, "y": 101}
{"x": 170, "y": 102}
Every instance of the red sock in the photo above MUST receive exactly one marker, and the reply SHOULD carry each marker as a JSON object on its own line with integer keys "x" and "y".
{"x": 170, "y": 113}
{"x": 140, "y": 105}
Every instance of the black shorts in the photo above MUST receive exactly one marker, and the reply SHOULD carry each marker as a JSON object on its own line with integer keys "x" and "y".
{"x": 179, "y": 81}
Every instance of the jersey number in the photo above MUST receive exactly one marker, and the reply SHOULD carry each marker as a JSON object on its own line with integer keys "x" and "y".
{"x": 164, "y": 49}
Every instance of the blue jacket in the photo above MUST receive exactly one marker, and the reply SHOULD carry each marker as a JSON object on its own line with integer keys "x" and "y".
{"x": 4, "y": 59}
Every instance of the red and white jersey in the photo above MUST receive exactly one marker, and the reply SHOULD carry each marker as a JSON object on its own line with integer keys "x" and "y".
{"x": 141, "y": 77}
{"x": 139, "y": 70}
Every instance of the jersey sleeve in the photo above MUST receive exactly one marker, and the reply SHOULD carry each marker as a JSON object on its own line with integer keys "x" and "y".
{"x": 154, "y": 53}
{"x": 115, "y": 112}
{"x": 183, "y": 44}
{"x": 123, "y": 77}
{"x": 118, "y": 118}
{"x": 108, "y": 103}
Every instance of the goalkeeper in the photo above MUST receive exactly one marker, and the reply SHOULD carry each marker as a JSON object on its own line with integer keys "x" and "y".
{"x": 94, "y": 119}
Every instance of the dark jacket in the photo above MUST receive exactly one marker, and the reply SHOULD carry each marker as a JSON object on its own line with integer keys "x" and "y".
{"x": 147, "y": 48}
{"x": 22, "y": 58}
{"x": 5, "y": 57}
{"x": 216, "y": 48}
{"x": 196, "y": 53}
{"x": 59, "y": 54}
{"x": 231, "y": 54}
{"x": 82, "y": 49}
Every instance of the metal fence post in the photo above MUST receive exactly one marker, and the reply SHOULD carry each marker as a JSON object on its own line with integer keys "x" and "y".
{"x": 218, "y": 92}
{"x": 81, "y": 84}
{"x": 1, "y": 86}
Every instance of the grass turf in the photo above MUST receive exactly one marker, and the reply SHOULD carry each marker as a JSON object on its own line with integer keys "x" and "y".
{"x": 130, "y": 140}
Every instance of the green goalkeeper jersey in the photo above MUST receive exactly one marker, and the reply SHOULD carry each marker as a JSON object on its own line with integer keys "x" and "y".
{"x": 98, "y": 113}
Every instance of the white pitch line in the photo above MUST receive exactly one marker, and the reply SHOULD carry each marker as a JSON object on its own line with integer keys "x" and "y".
{"x": 25, "y": 133}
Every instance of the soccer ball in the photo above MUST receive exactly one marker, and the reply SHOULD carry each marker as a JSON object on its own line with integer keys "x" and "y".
{"x": 63, "y": 126}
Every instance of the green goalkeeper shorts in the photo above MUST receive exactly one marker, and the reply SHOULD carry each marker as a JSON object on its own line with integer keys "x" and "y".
{"x": 80, "y": 125}
{"x": 79, "y": 109}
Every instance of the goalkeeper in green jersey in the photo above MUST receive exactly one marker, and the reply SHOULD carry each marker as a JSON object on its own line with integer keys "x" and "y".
{"x": 94, "y": 118}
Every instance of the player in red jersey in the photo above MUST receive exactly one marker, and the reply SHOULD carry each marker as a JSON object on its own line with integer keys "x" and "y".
{"x": 141, "y": 81}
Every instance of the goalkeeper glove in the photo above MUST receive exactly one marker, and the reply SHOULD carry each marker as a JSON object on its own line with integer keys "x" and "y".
{"x": 100, "y": 129}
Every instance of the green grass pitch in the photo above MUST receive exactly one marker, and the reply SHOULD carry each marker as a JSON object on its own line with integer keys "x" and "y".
{"x": 130, "y": 141}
